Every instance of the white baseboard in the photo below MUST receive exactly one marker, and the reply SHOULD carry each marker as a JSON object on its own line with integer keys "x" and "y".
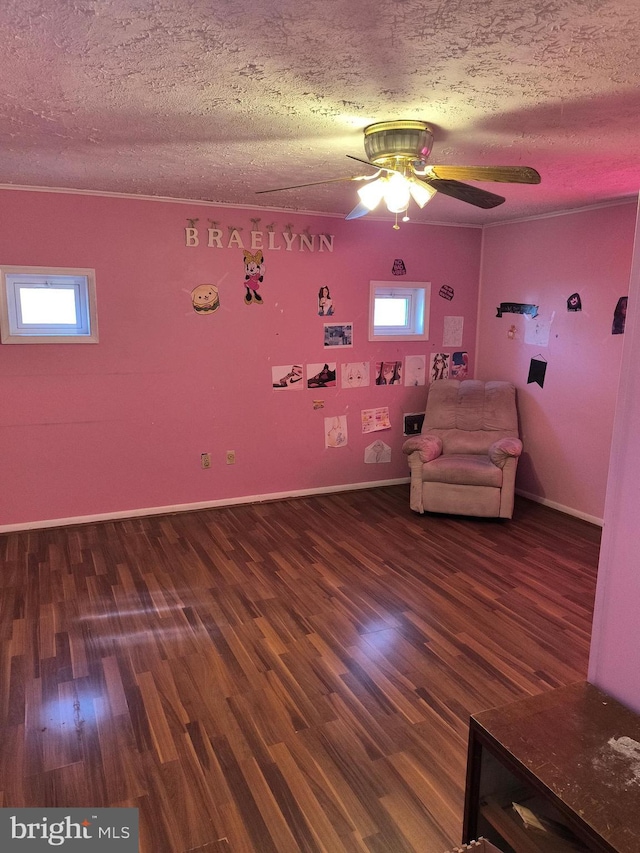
{"x": 169, "y": 510}
{"x": 251, "y": 499}
{"x": 566, "y": 509}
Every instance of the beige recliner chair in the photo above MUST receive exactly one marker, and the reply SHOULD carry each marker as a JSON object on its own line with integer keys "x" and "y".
{"x": 464, "y": 461}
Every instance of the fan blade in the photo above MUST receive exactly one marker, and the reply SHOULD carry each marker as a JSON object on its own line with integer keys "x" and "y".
{"x": 373, "y": 165}
{"x": 358, "y": 211}
{"x": 465, "y": 192}
{"x": 315, "y": 184}
{"x": 504, "y": 174}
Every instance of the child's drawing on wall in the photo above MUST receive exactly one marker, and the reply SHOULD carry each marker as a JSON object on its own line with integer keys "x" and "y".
{"x": 439, "y": 366}
{"x": 325, "y": 302}
{"x": 377, "y": 452}
{"x": 375, "y": 419}
{"x": 254, "y": 276}
{"x": 335, "y": 431}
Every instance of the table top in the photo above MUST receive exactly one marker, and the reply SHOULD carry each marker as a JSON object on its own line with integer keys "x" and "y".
{"x": 582, "y": 745}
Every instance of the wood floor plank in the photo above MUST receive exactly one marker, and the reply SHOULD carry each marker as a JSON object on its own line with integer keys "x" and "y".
{"x": 280, "y": 677}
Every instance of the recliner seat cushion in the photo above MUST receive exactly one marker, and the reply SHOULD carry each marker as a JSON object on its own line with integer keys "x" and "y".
{"x": 463, "y": 469}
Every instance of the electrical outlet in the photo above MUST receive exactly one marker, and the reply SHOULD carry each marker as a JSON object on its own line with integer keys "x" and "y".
{"x": 205, "y": 460}
{"x": 231, "y": 457}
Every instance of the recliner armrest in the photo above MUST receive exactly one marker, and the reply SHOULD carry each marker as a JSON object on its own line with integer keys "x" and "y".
{"x": 504, "y": 449}
{"x": 428, "y": 447}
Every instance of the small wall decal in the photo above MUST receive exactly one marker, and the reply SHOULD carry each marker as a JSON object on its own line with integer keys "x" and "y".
{"x": 377, "y": 452}
{"x": 459, "y": 368}
{"x": 512, "y": 332}
{"x": 517, "y": 308}
{"x": 318, "y": 404}
{"x": 619, "y": 316}
{"x": 439, "y": 366}
{"x": 325, "y": 302}
{"x": 399, "y": 267}
{"x": 205, "y": 298}
{"x": 446, "y": 292}
{"x": 254, "y": 276}
{"x": 574, "y": 303}
{"x": 537, "y": 371}
{"x": 388, "y": 373}
{"x": 287, "y": 376}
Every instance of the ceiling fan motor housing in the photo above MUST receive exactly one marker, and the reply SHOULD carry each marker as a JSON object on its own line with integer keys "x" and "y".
{"x": 403, "y": 139}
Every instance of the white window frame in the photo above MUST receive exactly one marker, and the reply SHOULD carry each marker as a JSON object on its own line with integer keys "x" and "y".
{"x": 82, "y": 282}
{"x": 418, "y": 294}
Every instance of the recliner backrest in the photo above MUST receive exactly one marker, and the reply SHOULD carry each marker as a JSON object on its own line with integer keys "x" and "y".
{"x": 469, "y": 415}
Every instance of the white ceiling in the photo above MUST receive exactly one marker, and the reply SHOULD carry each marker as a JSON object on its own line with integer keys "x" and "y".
{"x": 215, "y": 99}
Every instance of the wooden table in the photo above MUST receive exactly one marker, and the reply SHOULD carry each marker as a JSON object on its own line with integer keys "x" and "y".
{"x": 572, "y": 756}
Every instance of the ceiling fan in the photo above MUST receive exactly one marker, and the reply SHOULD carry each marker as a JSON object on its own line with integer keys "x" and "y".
{"x": 398, "y": 151}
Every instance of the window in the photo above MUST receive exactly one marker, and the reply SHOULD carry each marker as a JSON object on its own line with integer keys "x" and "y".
{"x": 47, "y": 306}
{"x": 399, "y": 312}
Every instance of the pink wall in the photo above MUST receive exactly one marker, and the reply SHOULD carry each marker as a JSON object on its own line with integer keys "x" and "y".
{"x": 614, "y": 663}
{"x": 567, "y": 424}
{"x": 120, "y": 426}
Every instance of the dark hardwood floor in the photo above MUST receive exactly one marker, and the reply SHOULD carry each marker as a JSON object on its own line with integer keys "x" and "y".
{"x": 280, "y": 677}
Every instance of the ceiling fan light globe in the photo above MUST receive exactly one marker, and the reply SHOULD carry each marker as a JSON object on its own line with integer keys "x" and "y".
{"x": 371, "y": 194}
{"x": 397, "y": 194}
{"x": 421, "y": 193}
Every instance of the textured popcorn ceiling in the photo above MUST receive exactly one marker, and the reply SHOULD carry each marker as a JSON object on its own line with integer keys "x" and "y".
{"x": 215, "y": 99}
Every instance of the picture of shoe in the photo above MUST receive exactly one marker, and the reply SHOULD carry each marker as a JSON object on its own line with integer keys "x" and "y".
{"x": 286, "y": 380}
{"x": 324, "y": 378}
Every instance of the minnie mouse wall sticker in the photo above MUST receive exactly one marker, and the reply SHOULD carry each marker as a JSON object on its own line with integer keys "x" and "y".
{"x": 254, "y": 276}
